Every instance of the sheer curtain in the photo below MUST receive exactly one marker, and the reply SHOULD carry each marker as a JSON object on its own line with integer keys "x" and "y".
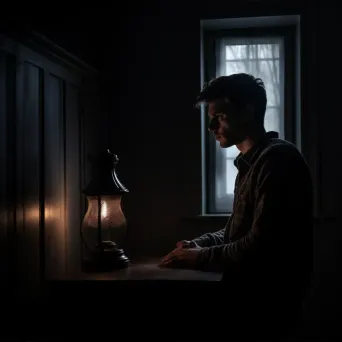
{"x": 261, "y": 57}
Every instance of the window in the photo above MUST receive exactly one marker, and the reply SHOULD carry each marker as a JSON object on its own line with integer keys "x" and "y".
{"x": 265, "y": 53}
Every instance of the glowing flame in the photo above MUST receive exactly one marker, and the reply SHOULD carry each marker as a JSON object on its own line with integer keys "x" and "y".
{"x": 104, "y": 209}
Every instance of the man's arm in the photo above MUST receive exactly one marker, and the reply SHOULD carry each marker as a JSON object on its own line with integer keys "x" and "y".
{"x": 273, "y": 191}
{"x": 209, "y": 239}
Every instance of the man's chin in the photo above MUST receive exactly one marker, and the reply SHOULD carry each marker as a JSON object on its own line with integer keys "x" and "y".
{"x": 226, "y": 144}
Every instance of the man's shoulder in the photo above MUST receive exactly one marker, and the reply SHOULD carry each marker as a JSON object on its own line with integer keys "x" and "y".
{"x": 282, "y": 154}
{"x": 279, "y": 149}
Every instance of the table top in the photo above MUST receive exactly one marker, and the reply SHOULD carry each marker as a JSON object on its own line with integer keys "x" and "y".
{"x": 147, "y": 270}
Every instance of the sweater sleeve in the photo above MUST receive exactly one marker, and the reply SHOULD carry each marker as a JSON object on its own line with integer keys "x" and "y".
{"x": 209, "y": 239}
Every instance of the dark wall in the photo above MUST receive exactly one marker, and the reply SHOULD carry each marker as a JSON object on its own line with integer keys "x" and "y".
{"x": 77, "y": 34}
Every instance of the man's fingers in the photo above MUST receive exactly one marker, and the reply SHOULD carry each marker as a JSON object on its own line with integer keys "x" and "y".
{"x": 169, "y": 257}
{"x": 183, "y": 244}
{"x": 176, "y": 254}
{"x": 167, "y": 260}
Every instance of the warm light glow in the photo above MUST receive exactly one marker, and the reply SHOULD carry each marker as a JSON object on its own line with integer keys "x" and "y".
{"x": 104, "y": 209}
{"x": 113, "y": 221}
{"x": 32, "y": 213}
{"x": 111, "y": 213}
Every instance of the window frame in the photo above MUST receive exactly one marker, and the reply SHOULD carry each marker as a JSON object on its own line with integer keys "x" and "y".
{"x": 288, "y": 34}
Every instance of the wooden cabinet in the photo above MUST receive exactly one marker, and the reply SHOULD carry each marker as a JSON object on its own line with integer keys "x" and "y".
{"x": 47, "y": 127}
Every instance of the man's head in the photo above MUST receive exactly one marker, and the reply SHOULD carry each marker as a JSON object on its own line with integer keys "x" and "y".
{"x": 237, "y": 105}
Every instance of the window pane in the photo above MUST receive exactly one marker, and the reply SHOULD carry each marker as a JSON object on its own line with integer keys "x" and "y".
{"x": 272, "y": 120}
{"x": 263, "y": 51}
{"x": 269, "y": 73}
{"x": 236, "y": 67}
{"x": 261, "y": 57}
{"x": 236, "y": 51}
{"x": 230, "y": 176}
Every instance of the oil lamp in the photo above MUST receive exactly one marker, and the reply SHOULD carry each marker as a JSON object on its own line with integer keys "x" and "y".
{"x": 104, "y": 225}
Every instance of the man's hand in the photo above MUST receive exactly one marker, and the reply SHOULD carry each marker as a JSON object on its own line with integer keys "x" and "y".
{"x": 183, "y": 244}
{"x": 187, "y": 256}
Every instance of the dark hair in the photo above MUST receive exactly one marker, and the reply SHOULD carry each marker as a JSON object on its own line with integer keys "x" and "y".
{"x": 240, "y": 89}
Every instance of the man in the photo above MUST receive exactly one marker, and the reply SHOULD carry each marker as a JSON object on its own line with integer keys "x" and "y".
{"x": 265, "y": 247}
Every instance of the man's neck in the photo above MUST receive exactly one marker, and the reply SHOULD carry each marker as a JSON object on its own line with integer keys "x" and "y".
{"x": 250, "y": 140}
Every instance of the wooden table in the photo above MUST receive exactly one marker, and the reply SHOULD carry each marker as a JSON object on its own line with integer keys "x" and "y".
{"x": 147, "y": 270}
{"x": 138, "y": 302}
{"x": 144, "y": 285}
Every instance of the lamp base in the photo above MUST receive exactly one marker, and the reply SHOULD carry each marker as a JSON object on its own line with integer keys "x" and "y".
{"x": 105, "y": 260}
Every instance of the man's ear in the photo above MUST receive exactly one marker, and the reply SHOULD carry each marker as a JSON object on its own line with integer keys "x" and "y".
{"x": 221, "y": 105}
{"x": 249, "y": 113}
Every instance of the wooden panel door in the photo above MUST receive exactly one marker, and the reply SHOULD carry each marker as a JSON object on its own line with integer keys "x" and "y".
{"x": 7, "y": 165}
{"x": 28, "y": 174}
{"x": 73, "y": 181}
{"x": 56, "y": 89}
{"x": 41, "y": 144}
{"x": 54, "y": 174}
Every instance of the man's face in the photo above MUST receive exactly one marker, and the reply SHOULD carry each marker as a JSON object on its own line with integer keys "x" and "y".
{"x": 224, "y": 123}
